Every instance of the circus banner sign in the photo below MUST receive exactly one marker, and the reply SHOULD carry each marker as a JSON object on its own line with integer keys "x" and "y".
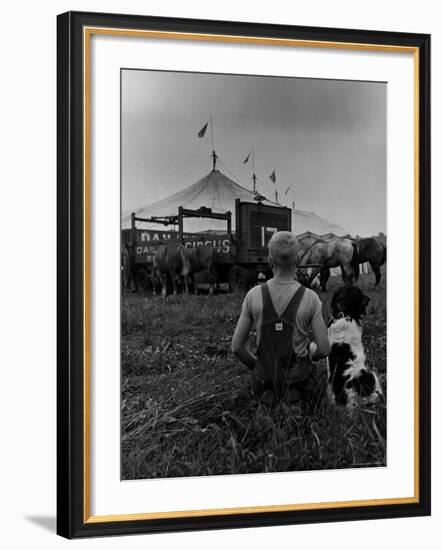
{"x": 147, "y": 242}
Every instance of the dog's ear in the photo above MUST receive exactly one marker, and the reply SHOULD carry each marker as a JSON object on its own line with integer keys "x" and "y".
{"x": 365, "y": 302}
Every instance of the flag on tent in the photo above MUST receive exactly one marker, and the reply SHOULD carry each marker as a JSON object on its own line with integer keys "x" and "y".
{"x": 246, "y": 159}
{"x": 203, "y": 130}
{"x": 273, "y": 176}
{"x": 287, "y": 190}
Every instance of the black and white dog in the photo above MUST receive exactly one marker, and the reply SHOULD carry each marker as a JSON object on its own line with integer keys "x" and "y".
{"x": 351, "y": 382}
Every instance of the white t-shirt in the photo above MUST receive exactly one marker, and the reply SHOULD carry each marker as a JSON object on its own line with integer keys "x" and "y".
{"x": 281, "y": 293}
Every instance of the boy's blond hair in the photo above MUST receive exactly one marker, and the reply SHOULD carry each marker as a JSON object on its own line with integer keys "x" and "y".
{"x": 284, "y": 250}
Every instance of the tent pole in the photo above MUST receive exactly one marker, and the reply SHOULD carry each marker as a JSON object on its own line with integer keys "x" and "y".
{"x": 254, "y": 175}
{"x": 214, "y": 156}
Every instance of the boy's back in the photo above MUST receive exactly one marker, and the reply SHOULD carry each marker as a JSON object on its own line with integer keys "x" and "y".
{"x": 281, "y": 294}
{"x": 283, "y": 313}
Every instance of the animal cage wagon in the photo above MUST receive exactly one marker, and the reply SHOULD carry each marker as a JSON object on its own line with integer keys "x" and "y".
{"x": 242, "y": 252}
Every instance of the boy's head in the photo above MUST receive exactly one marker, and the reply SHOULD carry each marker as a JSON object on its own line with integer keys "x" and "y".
{"x": 283, "y": 251}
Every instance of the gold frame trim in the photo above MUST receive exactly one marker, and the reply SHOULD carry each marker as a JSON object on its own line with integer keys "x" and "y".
{"x": 87, "y": 33}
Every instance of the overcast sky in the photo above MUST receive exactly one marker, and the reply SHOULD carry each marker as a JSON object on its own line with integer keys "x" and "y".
{"x": 325, "y": 138}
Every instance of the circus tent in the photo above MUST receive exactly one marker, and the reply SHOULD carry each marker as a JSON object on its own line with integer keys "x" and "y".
{"x": 218, "y": 192}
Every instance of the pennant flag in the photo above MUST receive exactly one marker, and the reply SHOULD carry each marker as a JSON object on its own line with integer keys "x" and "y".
{"x": 246, "y": 159}
{"x": 273, "y": 176}
{"x": 287, "y": 190}
{"x": 203, "y": 130}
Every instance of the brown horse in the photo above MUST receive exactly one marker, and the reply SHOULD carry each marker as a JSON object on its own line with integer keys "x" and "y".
{"x": 203, "y": 258}
{"x": 179, "y": 263}
{"x": 171, "y": 261}
{"x": 337, "y": 252}
{"x": 128, "y": 279}
{"x": 374, "y": 252}
{"x": 305, "y": 242}
{"x": 125, "y": 268}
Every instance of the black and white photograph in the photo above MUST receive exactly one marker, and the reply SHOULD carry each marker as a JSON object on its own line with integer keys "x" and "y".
{"x": 253, "y": 274}
{"x": 220, "y": 230}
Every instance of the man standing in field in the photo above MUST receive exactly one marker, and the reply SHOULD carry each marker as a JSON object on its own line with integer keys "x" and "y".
{"x": 284, "y": 313}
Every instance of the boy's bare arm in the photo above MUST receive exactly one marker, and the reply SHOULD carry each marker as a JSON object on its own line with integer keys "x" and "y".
{"x": 320, "y": 337}
{"x": 240, "y": 339}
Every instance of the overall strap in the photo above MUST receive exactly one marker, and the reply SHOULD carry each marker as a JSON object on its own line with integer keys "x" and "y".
{"x": 292, "y": 309}
{"x": 268, "y": 309}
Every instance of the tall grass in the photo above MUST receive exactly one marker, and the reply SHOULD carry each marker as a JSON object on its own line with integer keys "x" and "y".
{"x": 186, "y": 406}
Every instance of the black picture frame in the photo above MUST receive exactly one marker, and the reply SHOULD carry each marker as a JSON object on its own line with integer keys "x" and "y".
{"x": 72, "y": 520}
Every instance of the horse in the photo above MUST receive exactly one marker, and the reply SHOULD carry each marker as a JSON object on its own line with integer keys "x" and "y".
{"x": 374, "y": 252}
{"x": 181, "y": 263}
{"x": 125, "y": 268}
{"x": 203, "y": 258}
{"x": 337, "y": 252}
{"x": 128, "y": 279}
{"x": 305, "y": 242}
{"x": 171, "y": 261}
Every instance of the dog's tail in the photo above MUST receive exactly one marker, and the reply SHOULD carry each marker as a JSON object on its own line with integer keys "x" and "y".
{"x": 355, "y": 261}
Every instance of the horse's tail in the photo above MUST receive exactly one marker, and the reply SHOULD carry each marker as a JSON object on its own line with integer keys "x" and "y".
{"x": 355, "y": 260}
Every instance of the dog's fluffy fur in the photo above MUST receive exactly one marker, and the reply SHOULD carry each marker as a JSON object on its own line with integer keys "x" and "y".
{"x": 350, "y": 382}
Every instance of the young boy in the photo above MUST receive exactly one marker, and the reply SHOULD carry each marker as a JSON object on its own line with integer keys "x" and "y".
{"x": 283, "y": 313}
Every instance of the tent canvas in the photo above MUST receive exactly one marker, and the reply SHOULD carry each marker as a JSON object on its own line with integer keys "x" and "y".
{"x": 219, "y": 192}
{"x": 215, "y": 191}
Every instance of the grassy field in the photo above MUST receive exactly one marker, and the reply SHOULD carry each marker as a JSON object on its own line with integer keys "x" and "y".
{"x": 186, "y": 408}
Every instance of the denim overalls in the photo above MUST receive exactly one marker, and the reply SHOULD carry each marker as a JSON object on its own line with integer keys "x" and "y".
{"x": 277, "y": 367}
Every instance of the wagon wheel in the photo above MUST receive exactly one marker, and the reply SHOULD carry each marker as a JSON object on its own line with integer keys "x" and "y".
{"x": 238, "y": 278}
{"x": 142, "y": 280}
